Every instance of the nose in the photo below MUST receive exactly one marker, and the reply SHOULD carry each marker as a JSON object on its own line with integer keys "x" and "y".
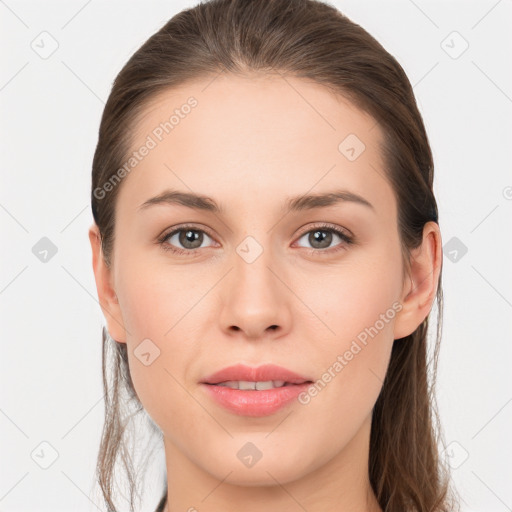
{"x": 256, "y": 303}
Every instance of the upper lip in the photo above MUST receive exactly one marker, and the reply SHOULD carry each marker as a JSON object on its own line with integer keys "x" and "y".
{"x": 251, "y": 374}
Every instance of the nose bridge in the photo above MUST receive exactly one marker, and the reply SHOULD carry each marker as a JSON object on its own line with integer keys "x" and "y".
{"x": 252, "y": 274}
{"x": 254, "y": 299}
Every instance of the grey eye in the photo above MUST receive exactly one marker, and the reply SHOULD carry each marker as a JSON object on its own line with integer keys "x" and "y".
{"x": 320, "y": 238}
{"x": 188, "y": 238}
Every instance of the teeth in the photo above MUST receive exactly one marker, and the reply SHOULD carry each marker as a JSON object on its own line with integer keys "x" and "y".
{"x": 248, "y": 385}
{"x": 244, "y": 384}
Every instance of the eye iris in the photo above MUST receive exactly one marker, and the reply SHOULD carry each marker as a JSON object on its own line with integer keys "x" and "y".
{"x": 191, "y": 236}
{"x": 325, "y": 238}
{"x": 193, "y": 239}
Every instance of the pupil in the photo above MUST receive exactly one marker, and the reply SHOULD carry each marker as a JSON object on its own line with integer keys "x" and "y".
{"x": 324, "y": 237}
{"x": 191, "y": 237}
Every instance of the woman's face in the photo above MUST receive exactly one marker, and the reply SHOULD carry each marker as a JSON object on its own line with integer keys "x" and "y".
{"x": 256, "y": 282}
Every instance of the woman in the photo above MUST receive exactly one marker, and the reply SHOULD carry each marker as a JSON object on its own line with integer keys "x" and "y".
{"x": 267, "y": 252}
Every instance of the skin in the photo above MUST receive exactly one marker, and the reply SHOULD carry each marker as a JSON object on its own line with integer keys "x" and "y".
{"x": 250, "y": 143}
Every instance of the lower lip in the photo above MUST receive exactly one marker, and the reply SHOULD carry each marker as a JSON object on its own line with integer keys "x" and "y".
{"x": 255, "y": 403}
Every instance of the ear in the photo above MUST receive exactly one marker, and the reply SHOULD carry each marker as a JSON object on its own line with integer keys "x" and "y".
{"x": 104, "y": 286}
{"x": 420, "y": 285}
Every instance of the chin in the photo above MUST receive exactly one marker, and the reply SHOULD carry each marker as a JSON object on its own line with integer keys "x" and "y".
{"x": 271, "y": 468}
{"x": 260, "y": 478}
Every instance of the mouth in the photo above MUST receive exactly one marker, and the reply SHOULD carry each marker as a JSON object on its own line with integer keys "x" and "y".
{"x": 261, "y": 391}
{"x": 246, "y": 385}
{"x": 245, "y": 399}
{"x": 244, "y": 377}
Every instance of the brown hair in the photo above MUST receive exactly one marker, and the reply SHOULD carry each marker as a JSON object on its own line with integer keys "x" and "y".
{"x": 311, "y": 40}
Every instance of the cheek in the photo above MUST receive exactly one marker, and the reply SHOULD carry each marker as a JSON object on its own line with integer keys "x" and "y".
{"x": 349, "y": 381}
{"x": 159, "y": 311}
{"x": 355, "y": 295}
{"x": 158, "y": 298}
{"x": 358, "y": 305}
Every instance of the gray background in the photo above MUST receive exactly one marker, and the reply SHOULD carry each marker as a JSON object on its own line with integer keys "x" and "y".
{"x": 51, "y": 321}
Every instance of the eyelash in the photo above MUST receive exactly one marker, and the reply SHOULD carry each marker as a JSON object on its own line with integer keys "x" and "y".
{"x": 346, "y": 239}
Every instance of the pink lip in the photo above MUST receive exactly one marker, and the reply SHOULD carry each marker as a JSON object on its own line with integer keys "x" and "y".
{"x": 255, "y": 402}
{"x": 260, "y": 374}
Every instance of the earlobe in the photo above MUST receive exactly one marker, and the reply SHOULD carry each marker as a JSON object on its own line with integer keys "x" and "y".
{"x": 420, "y": 286}
{"x": 107, "y": 297}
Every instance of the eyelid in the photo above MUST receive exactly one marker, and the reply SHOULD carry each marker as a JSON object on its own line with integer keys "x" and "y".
{"x": 182, "y": 227}
{"x": 198, "y": 227}
{"x": 347, "y": 239}
{"x": 161, "y": 239}
{"x": 327, "y": 226}
{"x": 346, "y": 236}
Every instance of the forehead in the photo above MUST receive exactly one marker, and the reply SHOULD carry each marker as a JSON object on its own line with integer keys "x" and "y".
{"x": 242, "y": 137}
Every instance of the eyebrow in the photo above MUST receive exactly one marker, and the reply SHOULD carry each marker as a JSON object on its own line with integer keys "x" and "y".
{"x": 298, "y": 203}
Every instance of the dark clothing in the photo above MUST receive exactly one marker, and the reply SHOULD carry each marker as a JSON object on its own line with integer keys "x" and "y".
{"x": 161, "y": 505}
